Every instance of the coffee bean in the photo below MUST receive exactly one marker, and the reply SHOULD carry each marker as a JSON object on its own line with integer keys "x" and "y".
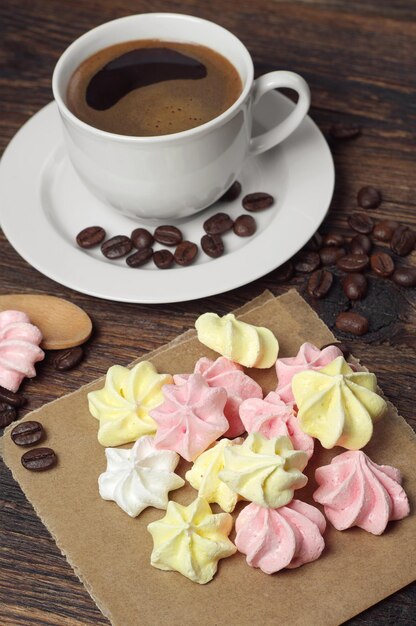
{"x": 383, "y": 231}
{"x": 91, "y": 236}
{"x": 315, "y": 243}
{"x": 344, "y": 131}
{"x": 350, "y": 322}
{"x": 306, "y": 262}
{"x": 141, "y": 238}
{"x": 361, "y": 223}
{"x": 355, "y": 286}
{"x": 163, "y": 259}
{"x": 68, "y": 359}
{"x": 258, "y": 201}
{"x": 405, "y": 276}
{"x": 168, "y": 235}
{"x": 284, "y": 273}
{"x": 353, "y": 262}
{"x": 8, "y": 414}
{"x": 116, "y": 247}
{"x": 232, "y": 193}
{"x": 245, "y": 226}
{"x": 10, "y": 397}
{"x": 333, "y": 239}
{"x": 369, "y": 197}
{"x": 382, "y": 264}
{"x": 140, "y": 257}
{"x": 218, "y": 224}
{"x": 329, "y": 255}
{"x": 39, "y": 459}
{"x": 213, "y": 245}
{"x": 186, "y": 252}
{"x": 320, "y": 283}
{"x": 27, "y": 433}
{"x": 403, "y": 240}
{"x": 341, "y": 346}
{"x": 360, "y": 244}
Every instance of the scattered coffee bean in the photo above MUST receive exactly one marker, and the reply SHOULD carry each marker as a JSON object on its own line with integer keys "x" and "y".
{"x": 245, "y": 226}
{"x": 141, "y": 238}
{"x": 306, "y": 262}
{"x": 258, "y": 201}
{"x": 186, "y": 252}
{"x": 91, "y": 236}
{"x": 10, "y": 397}
{"x": 333, "y": 239}
{"x": 168, "y": 235}
{"x": 355, "y": 286}
{"x": 405, "y": 276}
{"x": 39, "y": 459}
{"x": 163, "y": 259}
{"x": 315, "y": 243}
{"x": 116, "y": 247}
{"x": 360, "y": 244}
{"x": 329, "y": 255}
{"x": 403, "y": 240}
{"x": 383, "y": 231}
{"x": 341, "y": 346}
{"x": 320, "y": 283}
{"x": 68, "y": 359}
{"x": 344, "y": 131}
{"x": 284, "y": 273}
{"x": 369, "y": 197}
{"x": 213, "y": 245}
{"x": 382, "y": 264}
{"x": 8, "y": 414}
{"x": 232, "y": 193}
{"x": 361, "y": 223}
{"x": 353, "y": 262}
{"x": 350, "y": 322}
{"x": 218, "y": 224}
{"x": 27, "y": 433}
{"x": 140, "y": 257}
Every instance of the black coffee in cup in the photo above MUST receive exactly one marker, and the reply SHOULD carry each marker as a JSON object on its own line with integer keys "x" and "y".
{"x": 150, "y": 87}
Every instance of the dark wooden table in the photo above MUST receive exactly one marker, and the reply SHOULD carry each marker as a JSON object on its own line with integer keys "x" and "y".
{"x": 358, "y": 57}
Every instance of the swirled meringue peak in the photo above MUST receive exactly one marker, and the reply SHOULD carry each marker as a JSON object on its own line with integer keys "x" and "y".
{"x": 204, "y": 476}
{"x": 309, "y": 357}
{"x": 252, "y": 346}
{"x": 264, "y": 471}
{"x": 139, "y": 477}
{"x": 355, "y": 491}
{"x": 191, "y": 540}
{"x": 19, "y": 349}
{"x": 337, "y": 405}
{"x": 122, "y": 406}
{"x": 225, "y": 373}
{"x": 273, "y": 539}
{"x": 273, "y": 418}
{"x": 190, "y": 418}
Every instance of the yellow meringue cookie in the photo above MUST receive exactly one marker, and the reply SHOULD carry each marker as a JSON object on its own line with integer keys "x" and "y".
{"x": 203, "y": 476}
{"x": 252, "y": 346}
{"x": 265, "y": 471}
{"x": 337, "y": 405}
{"x": 122, "y": 406}
{"x": 191, "y": 540}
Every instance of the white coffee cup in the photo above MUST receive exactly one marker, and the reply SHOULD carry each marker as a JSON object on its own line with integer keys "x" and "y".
{"x": 171, "y": 176}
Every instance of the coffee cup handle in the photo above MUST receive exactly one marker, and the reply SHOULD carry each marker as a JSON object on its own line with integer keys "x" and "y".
{"x": 273, "y": 80}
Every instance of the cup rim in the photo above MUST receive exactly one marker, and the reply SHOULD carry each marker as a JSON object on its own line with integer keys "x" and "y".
{"x": 152, "y": 139}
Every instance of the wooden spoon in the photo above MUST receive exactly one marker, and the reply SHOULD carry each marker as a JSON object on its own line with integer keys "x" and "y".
{"x": 62, "y": 324}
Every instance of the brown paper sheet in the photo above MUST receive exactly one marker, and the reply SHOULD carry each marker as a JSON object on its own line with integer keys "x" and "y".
{"x": 110, "y": 552}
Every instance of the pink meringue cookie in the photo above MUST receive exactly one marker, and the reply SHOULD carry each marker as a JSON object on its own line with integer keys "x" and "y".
{"x": 225, "y": 373}
{"x": 272, "y": 418}
{"x": 19, "y": 349}
{"x": 273, "y": 539}
{"x": 190, "y": 418}
{"x": 309, "y": 357}
{"x": 355, "y": 491}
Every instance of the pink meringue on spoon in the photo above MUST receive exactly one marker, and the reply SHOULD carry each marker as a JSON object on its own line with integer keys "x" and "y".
{"x": 19, "y": 349}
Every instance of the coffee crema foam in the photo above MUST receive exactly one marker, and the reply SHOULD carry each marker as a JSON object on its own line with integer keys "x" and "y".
{"x": 150, "y": 87}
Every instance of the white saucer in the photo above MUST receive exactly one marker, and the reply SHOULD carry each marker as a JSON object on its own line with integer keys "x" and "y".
{"x": 44, "y": 205}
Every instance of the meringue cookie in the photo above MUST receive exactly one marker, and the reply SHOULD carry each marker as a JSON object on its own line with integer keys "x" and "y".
{"x": 19, "y": 349}
{"x": 122, "y": 406}
{"x": 139, "y": 477}
{"x": 309, "y": 357}
{"x": 265, "y": 471}
{"x": 190, "y": 418}
{"x": 355, "y": 491}
{"x": 337, "y": 405}
{"x": 276, "y": 538}
{"x": 191, "y": 540}
{"x": 252, "y": 346}
{"x": 273, "y": 418}
{"x": 239, "y": 386}
{"x": 204, "y": 476}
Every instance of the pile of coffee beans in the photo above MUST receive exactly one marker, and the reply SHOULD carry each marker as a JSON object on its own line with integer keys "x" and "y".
{"x": 10, "y": 403}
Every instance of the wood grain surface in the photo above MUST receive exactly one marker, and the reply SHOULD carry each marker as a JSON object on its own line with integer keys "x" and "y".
{"x": 358, "y": 58}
